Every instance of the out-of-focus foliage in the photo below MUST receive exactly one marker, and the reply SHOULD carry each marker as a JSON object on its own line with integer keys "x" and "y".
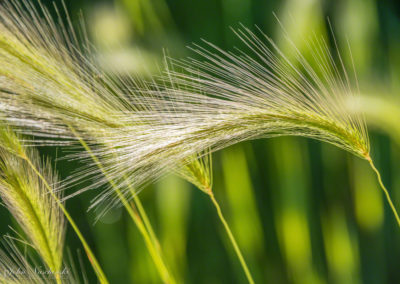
{"x": 302, "y": 212}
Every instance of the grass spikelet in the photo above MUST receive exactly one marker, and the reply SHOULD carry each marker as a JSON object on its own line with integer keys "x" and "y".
{"x": 231, "y": 97}
{"x": 198, "y": 171}
{"x": 264, "y": 94}
{"x": 267, "y": 95}
{"x": 26, "y": 197}
{"x": 47, "y": 200}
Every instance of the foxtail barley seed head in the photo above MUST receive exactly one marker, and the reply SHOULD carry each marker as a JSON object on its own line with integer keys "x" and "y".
{"x": 139, "y": 131}
{"x": 26, "y": 197}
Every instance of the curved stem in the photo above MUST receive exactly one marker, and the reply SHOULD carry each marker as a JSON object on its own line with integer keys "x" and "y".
{"x": 151, "y": 246}
{"x": 384, "y": 190}
{"x": 96, "y": 266}
{"x": 154, "y": 252}
{"x": 231, "y": 237}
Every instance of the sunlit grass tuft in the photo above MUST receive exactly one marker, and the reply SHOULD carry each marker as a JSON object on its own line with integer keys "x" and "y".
{"x": 31, "y": 193}
{"x": 26, "y": 197}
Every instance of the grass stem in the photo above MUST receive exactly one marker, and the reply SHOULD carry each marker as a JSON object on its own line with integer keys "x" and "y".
{"x": 231, "y": 237}
{"x": 146, "y": 220}
{"x": 384, "y": 190}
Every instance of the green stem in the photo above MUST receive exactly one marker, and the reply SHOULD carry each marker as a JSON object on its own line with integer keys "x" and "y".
{"x": 231, "y": 237}
{"x": 152, "y": 248}
{"x": 384, "y": 190}
{"x": 146, "y": 220}
{"x": 154, "y": 252}
{"x": 96, "y": 266}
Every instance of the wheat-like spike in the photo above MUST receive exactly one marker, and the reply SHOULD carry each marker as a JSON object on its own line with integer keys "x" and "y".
{"x": 139, "y": 131}
{"x": 26, "y": 197}
{"x": 11, "y": 145}
{"x": 231, "y": 97}
{"x": 198, "y": 171}
{"x": 226, "y": 99}
{"x": 268, "y": 95}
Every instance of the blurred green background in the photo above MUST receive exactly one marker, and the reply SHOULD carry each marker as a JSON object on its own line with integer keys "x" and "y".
{"x": 302, "y": 211}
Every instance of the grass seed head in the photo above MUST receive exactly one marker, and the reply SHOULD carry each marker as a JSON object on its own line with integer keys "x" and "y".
{"x": 139, "y": 131}
{"x": 25, "y": 195}
{"x": 198, "y": 171}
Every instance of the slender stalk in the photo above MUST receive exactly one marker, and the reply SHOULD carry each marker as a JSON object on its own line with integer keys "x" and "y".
{"x": 146, "y": 220}
{"x": 384, "y": 190}
{"x": 95, "y": 264}
{"x": 231, "y": 237}
{"x": 153, "y": 250}
{"x": 152, "y": 247}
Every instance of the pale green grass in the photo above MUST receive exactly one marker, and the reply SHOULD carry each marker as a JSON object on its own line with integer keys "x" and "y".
{"x": 27, "y": 198}
{"x": 27, "y": 189}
